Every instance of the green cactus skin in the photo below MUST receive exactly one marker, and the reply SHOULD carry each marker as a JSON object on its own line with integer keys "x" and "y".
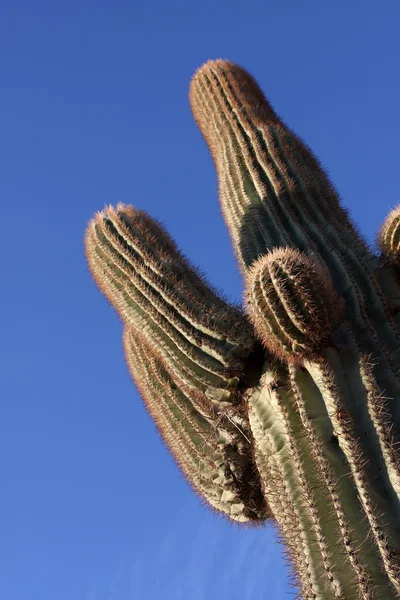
{"x": 290, "y": 413}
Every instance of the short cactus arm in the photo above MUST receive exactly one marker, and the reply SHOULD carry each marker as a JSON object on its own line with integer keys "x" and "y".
{"x": 338, "y": 376}
{"x": 292, "y": 303}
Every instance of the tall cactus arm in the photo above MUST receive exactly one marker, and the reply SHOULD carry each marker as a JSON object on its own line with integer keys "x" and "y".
{"x": 274, "y": 193}
{"x": 292, "y": 303}
{"x": 272, "y": 189}
{"x": 303, "y": 396}
{"x": 187, "y": 351}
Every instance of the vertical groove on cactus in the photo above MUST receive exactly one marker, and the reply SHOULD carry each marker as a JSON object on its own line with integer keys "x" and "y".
{"x": 317, "y": 488}
{"x": 274, "y": 442}
{"x": 309, "y": 492}
{"x": 380, "y": 416}
{"x": 332, "y": 463}
{"x": 338, "y": 392}
{"x": 276, "y": 478}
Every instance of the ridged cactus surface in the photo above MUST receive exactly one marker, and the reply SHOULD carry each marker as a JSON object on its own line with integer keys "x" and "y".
{"x": 292, "y": 303}
{"x": 287, "y": 410}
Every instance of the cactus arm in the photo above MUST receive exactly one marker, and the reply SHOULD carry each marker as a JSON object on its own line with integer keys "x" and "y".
{"x": 347, "y": 530}
{"x": 203, "y": 340}
{"x": 276, "y": 172}
{"x": 211, "y": 451}
{"x": 188, "y": 360}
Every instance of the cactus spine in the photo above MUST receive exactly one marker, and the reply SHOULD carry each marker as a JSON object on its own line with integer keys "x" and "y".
{"x": 290, "y": 412}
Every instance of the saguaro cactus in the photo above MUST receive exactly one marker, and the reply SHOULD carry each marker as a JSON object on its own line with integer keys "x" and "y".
{"x": 287, "y": 410}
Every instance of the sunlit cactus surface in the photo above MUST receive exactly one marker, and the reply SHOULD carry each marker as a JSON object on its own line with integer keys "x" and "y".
{"x": 286, "y": 410}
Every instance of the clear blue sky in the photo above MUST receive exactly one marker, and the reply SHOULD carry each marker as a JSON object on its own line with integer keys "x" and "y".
{"x": 94, "y": 110}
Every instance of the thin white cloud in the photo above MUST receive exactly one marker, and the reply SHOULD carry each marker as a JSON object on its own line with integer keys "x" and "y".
{"x": 91, "y": 593}
{"x": 202, "y": 560}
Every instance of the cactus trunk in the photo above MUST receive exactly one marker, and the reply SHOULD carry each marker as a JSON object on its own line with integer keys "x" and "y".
{"x": 290, "y": 412}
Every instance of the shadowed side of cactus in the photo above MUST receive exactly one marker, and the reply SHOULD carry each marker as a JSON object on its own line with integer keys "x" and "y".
{"x": 307, "y": 427}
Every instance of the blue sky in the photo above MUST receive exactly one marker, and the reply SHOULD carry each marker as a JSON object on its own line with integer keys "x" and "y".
{"x": 94, "y": 110}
